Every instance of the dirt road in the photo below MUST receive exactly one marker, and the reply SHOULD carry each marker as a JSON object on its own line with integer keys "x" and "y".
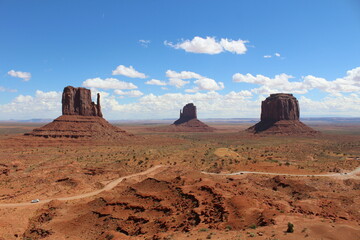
{"x": 107, "y": 187}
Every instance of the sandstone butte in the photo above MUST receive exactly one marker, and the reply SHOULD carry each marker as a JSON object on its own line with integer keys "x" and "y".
{"x": 81, "y": 118}
{"x": 187, "y": 122}
{"x": 280, "y": 115}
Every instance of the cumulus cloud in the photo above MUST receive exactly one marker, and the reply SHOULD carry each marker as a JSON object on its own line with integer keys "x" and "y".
{"x": 277, "y": 54}
{"x": 210, "y": 104}
{"x": 267, "y": 56}
{"x": 207, "y": 84}
{"x": 108, "y": 83}
{"x": 155, "y": 82}
{"x": 128, "y": 72}
{"x": 132, "y": 93}
{"x": 177, "y": 82}
{"x": 210, "y": 45}
{"x": 280, "y": 83}
{"x": 201, "y": 82}
{"x": 177, "y": 78}
{"x": 234, "y": 46}
{"x": 41, "y": 105}
{"x": 182, "y": 74}
{"x": 23, "y": 75}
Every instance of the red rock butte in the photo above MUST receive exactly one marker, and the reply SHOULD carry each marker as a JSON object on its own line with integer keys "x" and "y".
{"x": 280, "y": 115}
{"x": 187, "y": 122}
{"x": 81, "y": 118}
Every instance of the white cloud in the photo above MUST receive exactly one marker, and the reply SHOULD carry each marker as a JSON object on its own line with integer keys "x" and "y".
{"x": 209, "y": 104}
{"x": 281, "y": 83}
{"x": 182, "y": 75}
{"x": 132, "y": 93}
{"x": 210, "y": 45}
{"x": 234, "y": 46}
{"x": 177, "y": 78}
{"x": 155, "y": 82}
{"x": 277, "y": 54}
{"x": 24, "y": 75}
{"x": 144, "y": 43}
{"x": 108, "y": 83}
{"x": 207, "y": 84}
{"x": 267, "y": 56}
{"x": 41, "y": 105}
{"x": 4, "y": 89}
{"x": 177, "y": 82}
{"x": 201, "y": 82}
{"x": 128, "y": 72}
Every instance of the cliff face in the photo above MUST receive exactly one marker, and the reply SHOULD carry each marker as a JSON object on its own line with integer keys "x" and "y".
{"x": 280, "y": 106}
{"x": 77, "y": 101}
{"x": 81, "y": 118}
{"x": 280, "y": 116}
{"x": 188, "y": 113}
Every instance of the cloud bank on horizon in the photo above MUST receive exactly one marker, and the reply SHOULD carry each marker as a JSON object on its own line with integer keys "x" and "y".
{"x": 343, "y": 98}
{"x": 148, "y": 67}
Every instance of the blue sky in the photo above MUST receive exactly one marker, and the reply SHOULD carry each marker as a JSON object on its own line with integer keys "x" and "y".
{"x": 225, "y": 56}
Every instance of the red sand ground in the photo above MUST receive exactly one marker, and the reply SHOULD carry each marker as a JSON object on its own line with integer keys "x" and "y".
{"x": 178, "y": 201}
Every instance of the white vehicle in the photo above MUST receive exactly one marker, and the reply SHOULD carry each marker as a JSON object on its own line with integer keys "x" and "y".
{"x": 35, "y": 200}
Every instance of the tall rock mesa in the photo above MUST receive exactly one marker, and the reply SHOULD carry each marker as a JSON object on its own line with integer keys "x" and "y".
{"x": 280, "y": 106}
{"x": 77, "y": 101}
{"x": 81, "y": 118}
{"x": 188, "y": 113}
{"x": 280, "y": 116}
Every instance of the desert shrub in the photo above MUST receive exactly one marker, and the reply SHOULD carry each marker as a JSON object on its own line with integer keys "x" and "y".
{"x": 203, "y": 229}
{"x": 253, "y": 226}
{"x": 290, "y": 228}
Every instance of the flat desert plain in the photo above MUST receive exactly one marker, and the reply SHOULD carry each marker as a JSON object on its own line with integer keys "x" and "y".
{"x": 226, "y": 184}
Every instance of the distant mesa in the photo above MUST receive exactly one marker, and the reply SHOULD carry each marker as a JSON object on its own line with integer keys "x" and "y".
{"x": 81, "y": 118}
{"x": 187, "y": 122}
{"x": 280, "y": 116}
{"x": 188, "y": 113}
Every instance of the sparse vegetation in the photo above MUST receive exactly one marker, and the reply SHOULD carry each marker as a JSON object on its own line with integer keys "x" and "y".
{"x": 290, "y": 228}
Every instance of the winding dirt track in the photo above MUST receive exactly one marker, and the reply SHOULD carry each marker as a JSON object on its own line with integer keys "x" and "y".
{"x": 107, "y": 187}
{"x": 352, "y": 174}
{"x": 111, "y": 185}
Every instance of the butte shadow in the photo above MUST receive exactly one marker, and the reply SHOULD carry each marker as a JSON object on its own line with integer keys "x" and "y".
{"x": 187, "y": 122}
{"x": 280, "y": 116}
{"x": 81, "y": 118}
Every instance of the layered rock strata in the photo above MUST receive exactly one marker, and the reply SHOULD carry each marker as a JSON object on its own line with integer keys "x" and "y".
{"x": 81, "y": 118}
{"x": 280, "y": 115}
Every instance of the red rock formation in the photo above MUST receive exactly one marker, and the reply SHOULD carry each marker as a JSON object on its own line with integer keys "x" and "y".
{"x": 280, "y": 115}
{"x": 280, "y": 106}
{"x": 187, "y": 122}
{"x": 81, "y": 118}
{"x": 77, "y": 101}
{"x": 188, "y": 113}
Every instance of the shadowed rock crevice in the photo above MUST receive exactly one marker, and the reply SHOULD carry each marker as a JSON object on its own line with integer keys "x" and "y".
{"x": 280, "y": 115}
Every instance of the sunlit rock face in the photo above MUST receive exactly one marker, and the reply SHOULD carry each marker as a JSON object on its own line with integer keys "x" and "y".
{"x": 77, "y": 101}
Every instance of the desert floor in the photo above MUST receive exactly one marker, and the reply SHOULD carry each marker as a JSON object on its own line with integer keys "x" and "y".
{"x": 178, "y": 185}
